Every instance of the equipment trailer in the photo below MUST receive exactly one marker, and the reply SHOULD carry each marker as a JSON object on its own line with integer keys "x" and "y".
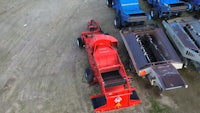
{"x": 128, "y": 12}
{"x": 107, "y": 70}
{"x": 168, "y": 8}
{"x": 185, "y": 36}
{"x": 152, "y": 56}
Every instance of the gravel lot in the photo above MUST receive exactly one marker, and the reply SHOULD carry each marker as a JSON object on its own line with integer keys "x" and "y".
{"x": 41, "y": 68}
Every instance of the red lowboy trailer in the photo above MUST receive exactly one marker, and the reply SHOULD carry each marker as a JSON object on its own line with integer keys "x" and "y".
{"x": 107, "y": 70}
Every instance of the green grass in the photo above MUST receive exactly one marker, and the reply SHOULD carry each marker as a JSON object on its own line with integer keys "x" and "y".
{"x": 158, "y": 108}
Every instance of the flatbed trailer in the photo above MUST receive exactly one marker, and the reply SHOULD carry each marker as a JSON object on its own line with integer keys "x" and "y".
{"x": 184, "y": 33}
{"x": 152, "y": 56}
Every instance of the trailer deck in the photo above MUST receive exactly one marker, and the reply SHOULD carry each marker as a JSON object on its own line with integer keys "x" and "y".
{"x": 150, "y": 47}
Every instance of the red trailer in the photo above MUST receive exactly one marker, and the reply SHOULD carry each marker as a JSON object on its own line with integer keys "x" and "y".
{"x": 107, "y": 70}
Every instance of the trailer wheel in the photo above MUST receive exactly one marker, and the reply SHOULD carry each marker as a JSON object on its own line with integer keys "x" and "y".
{"x": 88, "y": 75}
{"x": 117, "y": 22}
{"x": 109, "y": 3}
{"x": 185, "y": 63}
{"x": 179, "y": 14}
{"x": 154, "y": 13}
{"x": 79, "y": 42}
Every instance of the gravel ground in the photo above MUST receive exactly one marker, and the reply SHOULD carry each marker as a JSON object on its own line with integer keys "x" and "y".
{"x": 41, "y": 68}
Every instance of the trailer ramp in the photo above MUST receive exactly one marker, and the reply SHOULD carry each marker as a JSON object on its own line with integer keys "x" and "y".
{"x": 166, "y": 77}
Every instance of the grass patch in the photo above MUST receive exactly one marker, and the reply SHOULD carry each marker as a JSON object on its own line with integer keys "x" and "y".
{"x": 158, "y": 108}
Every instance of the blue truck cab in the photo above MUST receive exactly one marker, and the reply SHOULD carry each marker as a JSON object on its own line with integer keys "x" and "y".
{"x": 127, "y": 12}
{"x": 195, "y": 4}
{"x": 168, "y": 8}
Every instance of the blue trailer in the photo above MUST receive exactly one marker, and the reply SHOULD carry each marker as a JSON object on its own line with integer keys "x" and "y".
{"x": 168, "y": 8}
{"x": 127, "y": 12}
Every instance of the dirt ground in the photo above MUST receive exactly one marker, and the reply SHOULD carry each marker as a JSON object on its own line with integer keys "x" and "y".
{"x": 41, "y": 68}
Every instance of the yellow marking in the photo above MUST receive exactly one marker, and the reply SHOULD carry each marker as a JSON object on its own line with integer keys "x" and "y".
{"x": 118, "y": 104}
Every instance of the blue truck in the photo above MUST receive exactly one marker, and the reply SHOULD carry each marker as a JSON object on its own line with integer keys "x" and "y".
{"x": 127, "y": 12}
{"x": 168, "y": 8}
{"x": 195, "y": 4}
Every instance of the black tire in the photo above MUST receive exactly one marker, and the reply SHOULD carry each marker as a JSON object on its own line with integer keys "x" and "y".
{"x": 101, "y": 30}
{"x": 154, "y": 13}
{"x": 88, "y": 75}
{"x": 109, "y": 3}
{"x": 106, "y": 33}
{"x": 79, "y": 42}
{"x": 179, "y": 14}
{"x": 117, "y": 22}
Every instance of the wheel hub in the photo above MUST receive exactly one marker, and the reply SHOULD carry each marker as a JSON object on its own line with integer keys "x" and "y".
{"x": 107, "y": 3}
{"x": 77, "y": 42}
{"x": 115, "y": 22}
{"x": 151, "y": 13}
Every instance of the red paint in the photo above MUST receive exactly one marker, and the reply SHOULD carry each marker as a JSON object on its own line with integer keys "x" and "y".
{"x": 103, "y": 58}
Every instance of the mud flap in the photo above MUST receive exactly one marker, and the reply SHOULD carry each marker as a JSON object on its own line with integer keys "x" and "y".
{"x": 134, "y": 95}
{"x": 98, "y": 101}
